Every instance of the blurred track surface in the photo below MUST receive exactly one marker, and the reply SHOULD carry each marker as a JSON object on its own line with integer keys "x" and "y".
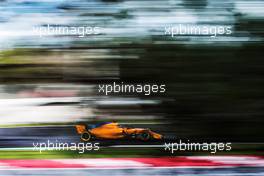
{"x": 26, "y": 136}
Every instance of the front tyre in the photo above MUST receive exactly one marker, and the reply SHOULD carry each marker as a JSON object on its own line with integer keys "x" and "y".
{"x": 145, "y": 136}
{"x": 86, "y": 136}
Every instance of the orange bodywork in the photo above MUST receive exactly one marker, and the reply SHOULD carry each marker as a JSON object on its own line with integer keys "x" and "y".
{"x": 114, "y": 131}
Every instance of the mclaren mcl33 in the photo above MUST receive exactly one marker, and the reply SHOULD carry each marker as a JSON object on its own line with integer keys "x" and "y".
{"x": 112, "y": 130}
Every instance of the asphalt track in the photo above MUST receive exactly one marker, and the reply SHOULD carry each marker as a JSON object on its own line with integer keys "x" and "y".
{"x": 26, "y": 136}
{"x": 11, "y": 137}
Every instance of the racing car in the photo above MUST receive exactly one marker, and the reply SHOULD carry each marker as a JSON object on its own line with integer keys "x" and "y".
{"x": 112, "y": 130}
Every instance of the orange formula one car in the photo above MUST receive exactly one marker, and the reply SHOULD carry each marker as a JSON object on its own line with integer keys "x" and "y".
{"x": 112, "y": 130}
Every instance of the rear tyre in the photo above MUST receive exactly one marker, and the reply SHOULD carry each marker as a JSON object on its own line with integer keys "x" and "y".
{"x": 86, "y": 136}
{"x": 133, "y": 136}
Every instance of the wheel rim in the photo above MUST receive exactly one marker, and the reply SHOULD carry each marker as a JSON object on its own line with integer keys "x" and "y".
{"x": 145, "y": 136}
{"x": 133, "y": 135}
{"x": 86, "y": 136}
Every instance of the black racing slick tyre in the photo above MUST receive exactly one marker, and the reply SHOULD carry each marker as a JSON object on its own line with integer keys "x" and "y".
{"x": 144, "y": 136}
{"x": 86, "y": 136}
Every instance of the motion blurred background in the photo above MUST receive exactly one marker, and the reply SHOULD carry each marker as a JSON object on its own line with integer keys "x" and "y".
{"x": 214, "y": 86}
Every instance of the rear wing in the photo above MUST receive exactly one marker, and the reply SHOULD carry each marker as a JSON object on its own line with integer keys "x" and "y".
{"x": 80, "y": 129}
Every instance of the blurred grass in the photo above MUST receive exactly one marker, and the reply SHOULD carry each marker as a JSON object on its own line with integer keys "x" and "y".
{"x": 17, "y": 56}
{"x": 103, "y": 153}
{"x": 126, "y": 153}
